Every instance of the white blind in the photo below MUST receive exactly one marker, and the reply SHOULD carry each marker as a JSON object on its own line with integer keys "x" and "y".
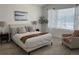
{"x": 52, "y": 14}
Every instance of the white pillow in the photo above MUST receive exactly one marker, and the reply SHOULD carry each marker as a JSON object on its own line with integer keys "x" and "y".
{"x": 21, "y": 30}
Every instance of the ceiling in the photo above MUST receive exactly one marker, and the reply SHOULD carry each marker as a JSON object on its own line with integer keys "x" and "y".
{"x": 59, "y": 6}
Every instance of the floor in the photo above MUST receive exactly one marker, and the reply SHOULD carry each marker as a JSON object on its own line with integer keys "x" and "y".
{"x": 56, "y": 49}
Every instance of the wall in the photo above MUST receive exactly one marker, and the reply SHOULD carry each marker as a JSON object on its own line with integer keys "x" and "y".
{"x": 7, "y": 12}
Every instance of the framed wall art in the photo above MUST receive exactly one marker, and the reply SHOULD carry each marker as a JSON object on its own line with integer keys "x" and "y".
{"x": 20, "y": 15}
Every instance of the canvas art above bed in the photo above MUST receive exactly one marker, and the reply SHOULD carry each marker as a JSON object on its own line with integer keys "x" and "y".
{"x": 20, "y": 15}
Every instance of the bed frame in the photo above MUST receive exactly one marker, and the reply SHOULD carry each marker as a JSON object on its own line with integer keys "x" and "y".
{"x": 29, "y": 51}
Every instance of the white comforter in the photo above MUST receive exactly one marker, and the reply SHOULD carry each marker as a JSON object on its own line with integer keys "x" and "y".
{"x": 32, "y": 42}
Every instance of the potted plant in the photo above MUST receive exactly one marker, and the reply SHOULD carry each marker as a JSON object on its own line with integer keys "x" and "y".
{"x": 43, "y": 21}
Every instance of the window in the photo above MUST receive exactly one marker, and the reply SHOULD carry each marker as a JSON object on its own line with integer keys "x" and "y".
{"x": 64, "y": 18}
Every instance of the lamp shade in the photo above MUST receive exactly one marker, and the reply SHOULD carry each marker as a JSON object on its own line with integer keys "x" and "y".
{"x": 2, "y": 23}
{"x": 34, "y": 22}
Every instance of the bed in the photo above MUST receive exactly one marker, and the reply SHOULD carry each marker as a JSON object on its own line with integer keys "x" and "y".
{"x": 31, "y": 43}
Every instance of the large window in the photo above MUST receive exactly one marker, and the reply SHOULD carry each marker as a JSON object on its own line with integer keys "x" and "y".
{"x": 64, "y": 18}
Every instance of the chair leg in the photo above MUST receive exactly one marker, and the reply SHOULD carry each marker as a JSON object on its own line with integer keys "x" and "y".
{"x": 28, "y": 53}
{"x": 1, "y": 42}
{"x": 62, "y": 43}
{"x": 51, "y": 43}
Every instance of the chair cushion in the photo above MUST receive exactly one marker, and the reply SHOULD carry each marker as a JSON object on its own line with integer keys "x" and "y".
{"x": 67, "y": 39}
{"x": 76, "y": 33}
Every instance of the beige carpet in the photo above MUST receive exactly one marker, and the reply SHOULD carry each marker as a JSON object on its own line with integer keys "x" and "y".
{"x": 56, "y": 49}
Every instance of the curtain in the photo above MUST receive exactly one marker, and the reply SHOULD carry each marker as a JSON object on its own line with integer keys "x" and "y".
{"x": 52, "y": 14}
{"x": 62, "y": 18}
{"x": 76, "y": 22}
{"x": 65, "y": 18}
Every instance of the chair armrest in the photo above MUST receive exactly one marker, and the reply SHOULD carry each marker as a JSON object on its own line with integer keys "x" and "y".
{"x": 65, "y": 35}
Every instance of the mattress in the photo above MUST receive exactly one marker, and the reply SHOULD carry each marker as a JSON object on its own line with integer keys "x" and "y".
{"x": 32, "y": 42}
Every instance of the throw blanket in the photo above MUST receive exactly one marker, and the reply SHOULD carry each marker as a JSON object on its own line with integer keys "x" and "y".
{"x": 23, "y": 39}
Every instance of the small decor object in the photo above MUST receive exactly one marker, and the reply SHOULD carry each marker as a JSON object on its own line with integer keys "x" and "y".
{"x": 43, "y": 20}
{"x": 37, "y": 29}
{"x": 20, "y": 15}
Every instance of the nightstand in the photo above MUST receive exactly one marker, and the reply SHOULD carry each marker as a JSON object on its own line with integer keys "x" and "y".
{"x": 4, "y": 37}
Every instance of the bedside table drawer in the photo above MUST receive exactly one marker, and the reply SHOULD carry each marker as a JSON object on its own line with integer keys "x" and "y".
{"x": 4, "y": 37}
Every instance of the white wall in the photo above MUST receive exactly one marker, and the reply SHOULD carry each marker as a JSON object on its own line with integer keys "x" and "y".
{"x": 7, "y": 12}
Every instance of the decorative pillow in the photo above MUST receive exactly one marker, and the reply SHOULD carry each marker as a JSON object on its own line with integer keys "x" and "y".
{"x": 21, "y": 30}
{"x": 30, "y": 29}
{"x": 26, "y": 28}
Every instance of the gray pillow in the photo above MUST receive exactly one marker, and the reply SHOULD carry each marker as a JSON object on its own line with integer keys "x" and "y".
{"x": 29, "y": 28}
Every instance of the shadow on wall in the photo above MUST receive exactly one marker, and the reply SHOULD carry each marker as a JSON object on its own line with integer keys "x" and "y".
{"x": 58, "y": 32}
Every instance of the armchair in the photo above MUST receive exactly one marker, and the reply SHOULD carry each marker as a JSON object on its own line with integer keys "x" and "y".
{"x": 71, "y": 40}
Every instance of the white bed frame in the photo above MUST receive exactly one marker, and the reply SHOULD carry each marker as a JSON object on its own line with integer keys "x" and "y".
{"x": 28, "y": 50}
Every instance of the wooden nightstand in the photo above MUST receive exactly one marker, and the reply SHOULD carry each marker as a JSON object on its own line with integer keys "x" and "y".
{"x": 4, "y": 37}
